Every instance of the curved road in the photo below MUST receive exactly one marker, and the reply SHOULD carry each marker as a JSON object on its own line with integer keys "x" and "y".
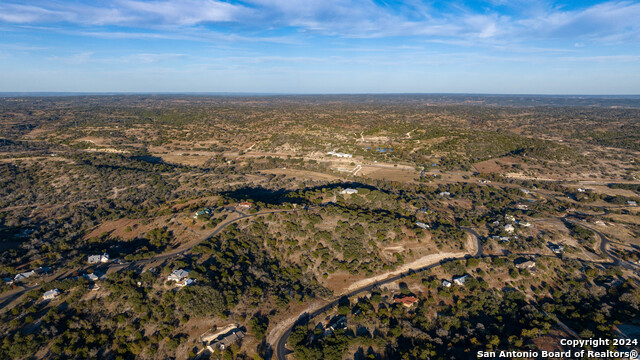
{"x": 6, "y": 299}
{"x": 604, "y": 246}
{"x": 280, "y": 348}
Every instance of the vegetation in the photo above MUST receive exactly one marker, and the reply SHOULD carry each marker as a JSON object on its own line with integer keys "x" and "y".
{"x": 241, "y": 194}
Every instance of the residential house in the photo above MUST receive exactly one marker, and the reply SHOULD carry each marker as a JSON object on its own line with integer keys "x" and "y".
{"x": 460, "y": 280}
{"x": 95, "y": 259}
{"x": 349, "y": 191}
{"x": 245, "y": 205}
{"x": 203, "y": 212}
{"x": 339, "y": 154}
{"x": 337, "y": 322}
{"x": 178, "y": 275}
{"x": 422, "y": 225}
{"x": 51, "y": 294}
{"x": 406, "y": 300}
{"x": 509, "y": 228}
{"x": 24, "y": 275}
{"x": 185, "y": 282}
{"x": 445, "y": 193}
{"x": 632, "y": 203}
{"x": 524, "y": 223}
{"x": 92, "y": 277}
{"x": 209, "y": 337}
{"x": 526, "y": 264}
{"x": 446, "y": 283}
{"x": 224, "y": 341}
{"x": 557, "y": 249}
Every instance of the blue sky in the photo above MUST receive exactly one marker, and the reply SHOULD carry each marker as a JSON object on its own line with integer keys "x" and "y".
{"x": 321, "y": 46}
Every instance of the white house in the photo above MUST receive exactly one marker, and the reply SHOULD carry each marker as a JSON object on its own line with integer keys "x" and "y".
{"x": 446, "y": 283}
{"x": 51, "y": 294}
{"x": 92, "y": 277}
{"x": 509, "y": 228}
{"x": 185, "y": 282}
{"x": 422, "y": 225}
{"x": 524, "y": 223}
{"x": 226, "y": 340}
{"x": 632, "y": 203}
{"x": 178, "y": 275}
{"x": 349, "y": 191}
{"x": 339, "y": 154}
{"x": 94, "y": 259}
{"x": 526, "y": 265}
{"x": 24, "y": 275}
{"x": 445, "y": 193}
{"x": 460, "y": 280}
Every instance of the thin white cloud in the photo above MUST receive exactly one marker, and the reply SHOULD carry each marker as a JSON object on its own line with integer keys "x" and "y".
{"x": 21, "y": 14}
{"x": 89, "y": 57}
{"x": 606, "y": 21}
{"x": 75, "y": 59}
{"x": 189, "y": 19}
{"x": 185, "y": 12}
{"x": 123, "y": 12}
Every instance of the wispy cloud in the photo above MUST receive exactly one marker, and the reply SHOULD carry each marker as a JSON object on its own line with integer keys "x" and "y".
{"x": 366, "y": 42}
{"x": 606, "y": 21}
{"x": 540, "y": 19}
{"x": 89, "y": 57}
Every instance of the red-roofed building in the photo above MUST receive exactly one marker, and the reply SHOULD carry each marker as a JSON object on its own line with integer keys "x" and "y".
{"x": 406, "y": 300}
{"x": 245, "y": 205}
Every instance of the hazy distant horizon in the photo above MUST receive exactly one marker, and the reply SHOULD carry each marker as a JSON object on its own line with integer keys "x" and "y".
{"x": 223, "y": 93}
{"x": 402, "y": 99}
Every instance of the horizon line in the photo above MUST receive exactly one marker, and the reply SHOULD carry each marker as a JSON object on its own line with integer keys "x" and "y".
{"x": 248, "y": 93}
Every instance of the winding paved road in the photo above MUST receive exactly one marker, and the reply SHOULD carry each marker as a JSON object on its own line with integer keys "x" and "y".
{"x": 281, "y": 350}
{"x": 8, "y": 298}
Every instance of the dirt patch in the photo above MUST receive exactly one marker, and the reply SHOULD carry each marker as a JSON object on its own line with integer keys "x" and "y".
{"x": 417, "y": 264}
{"x": 301, "y": 174}
{"x": 611, "y": 192}
{"x": 394, "y": 249}
{"x": 401, "y": 175}
{"x": 190, "y": 160}
{"x": 498, "y": 165}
